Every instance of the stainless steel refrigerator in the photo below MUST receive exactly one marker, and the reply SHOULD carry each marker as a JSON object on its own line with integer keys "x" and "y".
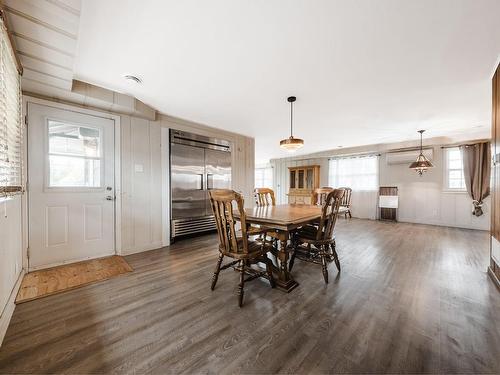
{"x": 197, "y": 165}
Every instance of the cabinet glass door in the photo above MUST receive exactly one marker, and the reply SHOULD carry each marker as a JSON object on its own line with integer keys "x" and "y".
{"x": 292, "y": 180}
{"x": 301, "y": 178}
{"x": 309, "y": 178}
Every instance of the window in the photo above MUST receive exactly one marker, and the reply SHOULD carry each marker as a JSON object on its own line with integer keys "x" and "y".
{"x": 358, "y": 173}
{"x": 264, "y": 177}
{"x": 454, "y": 170}
{"x": 74, "y": 155}
{"x": 11, "y": 127}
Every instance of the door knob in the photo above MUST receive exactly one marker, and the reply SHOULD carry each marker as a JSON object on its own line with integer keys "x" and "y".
{"x": 110, "y": 198}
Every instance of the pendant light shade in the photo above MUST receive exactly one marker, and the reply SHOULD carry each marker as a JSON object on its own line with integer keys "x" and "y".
{"x": 291, "y": 144}
{"x": 422, "y": 163}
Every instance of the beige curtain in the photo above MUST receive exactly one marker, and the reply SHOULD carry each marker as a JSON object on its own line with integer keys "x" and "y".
{"x": 477, "y": 169}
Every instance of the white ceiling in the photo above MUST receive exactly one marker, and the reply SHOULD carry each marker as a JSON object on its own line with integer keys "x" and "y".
{"x": 364, "y": 72}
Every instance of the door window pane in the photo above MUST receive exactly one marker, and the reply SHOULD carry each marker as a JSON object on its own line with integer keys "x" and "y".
{"x": 74, "y": 155}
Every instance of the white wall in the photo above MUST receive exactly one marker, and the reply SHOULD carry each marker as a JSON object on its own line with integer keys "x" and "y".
{"x": 421, "y": 199}
{"x": 11, "y": 257}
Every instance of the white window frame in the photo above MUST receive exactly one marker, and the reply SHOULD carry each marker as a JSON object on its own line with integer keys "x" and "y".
{"x": 446, "y": 170}
{"x": 264, "y": 169}
{"x": 376, "y": 174}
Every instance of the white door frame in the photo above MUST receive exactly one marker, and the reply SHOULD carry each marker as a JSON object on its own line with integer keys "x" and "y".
{"x": 117, "y": 141}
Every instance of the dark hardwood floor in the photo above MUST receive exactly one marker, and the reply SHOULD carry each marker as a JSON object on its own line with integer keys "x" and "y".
{"x": 409, "y": 299}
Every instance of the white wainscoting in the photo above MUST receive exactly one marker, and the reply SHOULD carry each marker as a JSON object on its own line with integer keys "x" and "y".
{"x": 11, "y": 257}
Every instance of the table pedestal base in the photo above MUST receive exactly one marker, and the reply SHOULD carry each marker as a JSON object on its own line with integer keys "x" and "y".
{"x": 284, "y": 281}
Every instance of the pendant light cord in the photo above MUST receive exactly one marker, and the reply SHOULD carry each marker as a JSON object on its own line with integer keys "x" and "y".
{"x": 291, "y": 119}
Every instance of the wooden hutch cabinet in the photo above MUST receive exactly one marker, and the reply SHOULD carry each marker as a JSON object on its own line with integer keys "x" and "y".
{"x": 303, "y": 181}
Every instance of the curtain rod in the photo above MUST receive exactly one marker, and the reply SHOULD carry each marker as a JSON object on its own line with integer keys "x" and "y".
{"x": 470, "y": 143}
{"x": 351, "y": 156}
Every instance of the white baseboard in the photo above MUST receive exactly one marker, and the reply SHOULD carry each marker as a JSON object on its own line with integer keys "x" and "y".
{"x": 9, "y": 308}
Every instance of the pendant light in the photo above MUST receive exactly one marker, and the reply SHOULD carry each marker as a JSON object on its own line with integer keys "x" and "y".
{"x": 422, "y": 163}
{"x": 291, "y": 144}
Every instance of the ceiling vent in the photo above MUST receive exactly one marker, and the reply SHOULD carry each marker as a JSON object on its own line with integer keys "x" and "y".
{"x": 132, "y": 78}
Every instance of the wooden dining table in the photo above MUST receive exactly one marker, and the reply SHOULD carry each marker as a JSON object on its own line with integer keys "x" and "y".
{"x": 283, "y": 218}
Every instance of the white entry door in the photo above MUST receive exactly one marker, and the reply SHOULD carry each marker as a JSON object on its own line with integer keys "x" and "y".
{"x": 71, "y": 186}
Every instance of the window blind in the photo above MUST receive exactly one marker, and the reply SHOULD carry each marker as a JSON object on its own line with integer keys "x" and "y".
{"x": 11, "y": 128}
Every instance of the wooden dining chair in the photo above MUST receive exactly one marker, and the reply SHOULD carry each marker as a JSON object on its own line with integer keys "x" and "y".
{"x": 319, "y": 195}
{"x": 264, "y": 197}
{"x": 237, "y": 244}
{"x": 316, "y": 244}
{"x": 345, "y": 205}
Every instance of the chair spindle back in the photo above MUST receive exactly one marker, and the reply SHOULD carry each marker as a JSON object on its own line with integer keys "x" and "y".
{"x": 222, "y": 202}
{"x": 329, "y": 212}
{"x": 319, "y": 195}
{"x": 264, "y": 197}
{"x": 346, "y": 200}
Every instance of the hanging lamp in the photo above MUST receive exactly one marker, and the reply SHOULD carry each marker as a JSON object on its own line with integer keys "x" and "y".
{"x": 422, "y": 163}
{"x": 291, "y": 144}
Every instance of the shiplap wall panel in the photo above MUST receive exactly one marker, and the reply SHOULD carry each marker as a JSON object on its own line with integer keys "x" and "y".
{"x": 44, "y": 53}
{"x": 126, "y": 185}
{"x": 155, "y": 185}
{"x": 46, "y": 13}
{"x": 141, "y": 185}
{"x": 47, "y": 67}
{"x": 28, "y": 27}
{"x": 46, "y": 79}
{"x": 45, "y": 34}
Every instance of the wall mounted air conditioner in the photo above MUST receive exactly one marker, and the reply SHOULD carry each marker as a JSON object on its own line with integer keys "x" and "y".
{"x": 407, "y": 157}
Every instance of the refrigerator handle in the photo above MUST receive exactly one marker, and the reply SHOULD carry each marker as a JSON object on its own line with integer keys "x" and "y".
{"x": 210, "y": 186}
{"x": 201, "y": 181}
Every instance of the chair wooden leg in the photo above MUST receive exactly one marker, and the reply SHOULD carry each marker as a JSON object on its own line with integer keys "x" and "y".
{"x": 269, "y": 270}
{"x": 324, "y": 266}
{"x": 335, "y": 256}
{"x": 242, "y": 283}
{"x": 350, "y": 216}
{"x": 217, "y": 270}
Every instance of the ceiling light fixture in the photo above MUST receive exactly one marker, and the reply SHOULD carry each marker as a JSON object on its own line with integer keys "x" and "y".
{"x": 133, "y": 78}
{"x": 422, "y": 163}
{"x": 291, "y": 144}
